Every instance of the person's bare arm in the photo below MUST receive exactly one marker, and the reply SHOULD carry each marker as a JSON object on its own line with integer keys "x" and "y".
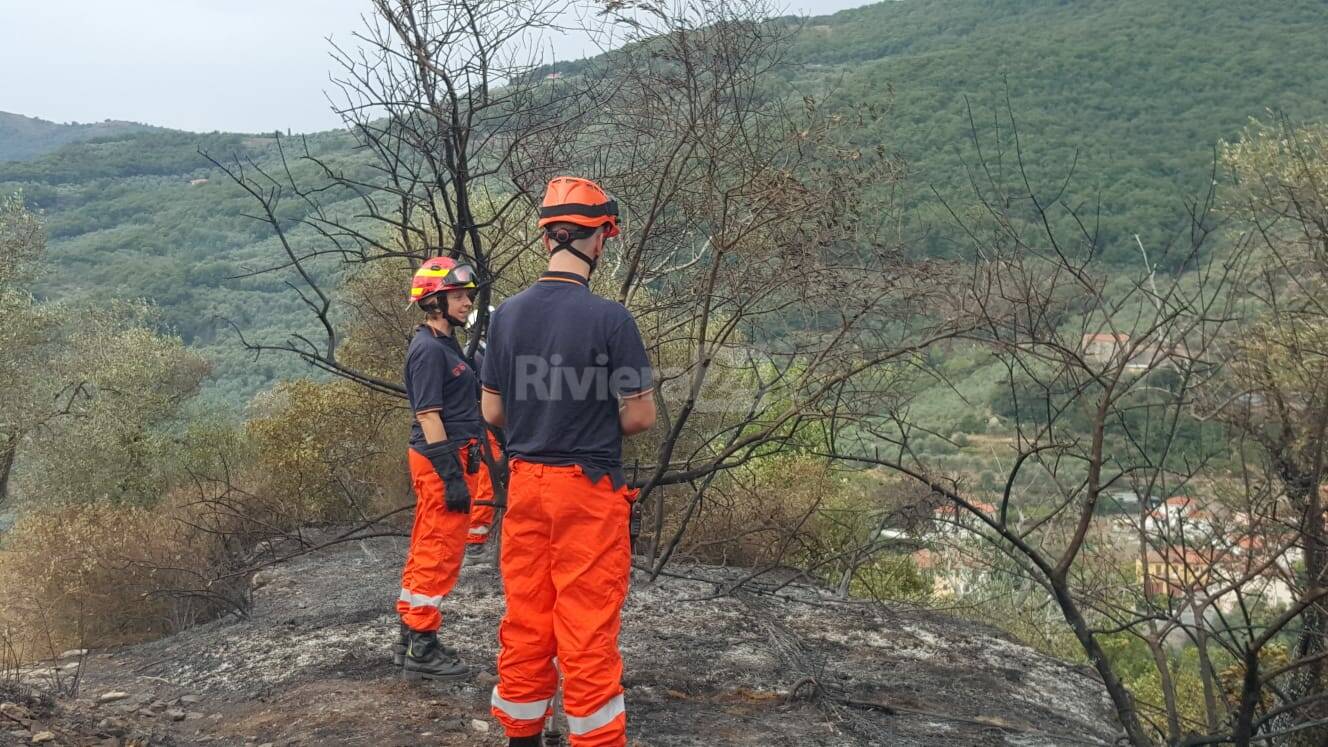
{"x": 432, "y": 425}
{"x": 491, "y": 405}
{"x": 636, "y": 414}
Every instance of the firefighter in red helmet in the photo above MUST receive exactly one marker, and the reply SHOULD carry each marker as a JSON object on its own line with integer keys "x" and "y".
{"x": 440, "y": 386}
{"x": 566, "y": 555}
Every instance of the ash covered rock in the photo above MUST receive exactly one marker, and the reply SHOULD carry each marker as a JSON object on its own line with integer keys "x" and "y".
{"x": 311, "y": 665}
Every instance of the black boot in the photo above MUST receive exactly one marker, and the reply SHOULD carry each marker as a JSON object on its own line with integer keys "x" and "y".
{"x": 531, "y": 741}
{"x": 399, "y": 648}
{"x": 425, "y": 659}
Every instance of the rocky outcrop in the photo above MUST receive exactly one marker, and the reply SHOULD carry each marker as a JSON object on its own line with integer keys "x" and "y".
{"x": 310, "y": 666}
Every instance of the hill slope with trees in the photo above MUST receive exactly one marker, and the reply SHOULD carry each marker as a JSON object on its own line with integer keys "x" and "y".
{"x": 1131, "y": 94}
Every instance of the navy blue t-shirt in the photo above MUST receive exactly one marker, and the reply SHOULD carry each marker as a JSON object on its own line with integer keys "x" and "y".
{"x": 438, "y": 379}
{"x": 560, "y": 356}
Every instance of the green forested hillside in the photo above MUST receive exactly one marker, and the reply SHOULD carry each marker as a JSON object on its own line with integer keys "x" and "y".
{"x": 28, "y": 137}
{"x": 146, "y": 216}
{"x": 1141, "y": 90}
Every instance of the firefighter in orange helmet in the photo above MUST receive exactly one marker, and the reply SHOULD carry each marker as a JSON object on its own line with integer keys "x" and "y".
{"x": 567, "y": 377}
{"x": 440, "y": 386}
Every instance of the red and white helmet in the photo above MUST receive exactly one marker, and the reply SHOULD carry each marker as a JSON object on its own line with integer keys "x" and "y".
{"x": 439, "y": 275}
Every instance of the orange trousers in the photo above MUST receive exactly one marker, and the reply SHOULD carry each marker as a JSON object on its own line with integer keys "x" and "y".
{"x": 437, "y": 544}
{"x": 481, "y": 517}
{"x": 566, "y": 561}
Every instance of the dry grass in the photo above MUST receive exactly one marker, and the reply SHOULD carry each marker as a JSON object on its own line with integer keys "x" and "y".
{"x": 77, "y": 575}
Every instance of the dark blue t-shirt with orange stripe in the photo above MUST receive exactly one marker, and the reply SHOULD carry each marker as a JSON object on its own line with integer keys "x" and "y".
{"x": 560, "y": 357}
{"x": 438, "y": 379}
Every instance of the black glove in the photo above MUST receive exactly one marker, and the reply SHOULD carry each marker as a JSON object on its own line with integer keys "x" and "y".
{"x": 443, "y": 457}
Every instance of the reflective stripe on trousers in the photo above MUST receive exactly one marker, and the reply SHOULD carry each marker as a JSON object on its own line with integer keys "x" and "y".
{"x": 602, "y": 717}
{"x": 419, "y": 600}
{"x": 536, "y": 709}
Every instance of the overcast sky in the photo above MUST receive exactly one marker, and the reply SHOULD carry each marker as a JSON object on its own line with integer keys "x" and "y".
{"x": 238, "y": 65}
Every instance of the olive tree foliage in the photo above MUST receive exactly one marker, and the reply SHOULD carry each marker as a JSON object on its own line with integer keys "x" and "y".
{"x": 24, "y": 331}
{"x": 85, "y": 389}
{"x": 22, "y": 244}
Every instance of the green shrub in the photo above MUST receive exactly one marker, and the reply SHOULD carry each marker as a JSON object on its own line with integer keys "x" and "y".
{"x": 331, "y": 451}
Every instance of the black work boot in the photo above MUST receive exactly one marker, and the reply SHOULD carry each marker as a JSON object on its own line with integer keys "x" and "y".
{"x": 531, "y": 741}
{"x": 399, "y": 648}
{"x": 425, "y": 659}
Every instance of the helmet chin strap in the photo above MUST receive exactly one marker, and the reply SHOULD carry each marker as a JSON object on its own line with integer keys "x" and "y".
{"x": 447, "y": 314}
{"x": 444, "y": 306}
{"x": 563, "y": 238}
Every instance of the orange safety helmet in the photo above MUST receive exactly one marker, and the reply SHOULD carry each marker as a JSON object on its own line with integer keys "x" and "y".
{"x": 571, "y": 199}
{"x": 438, "y": 275}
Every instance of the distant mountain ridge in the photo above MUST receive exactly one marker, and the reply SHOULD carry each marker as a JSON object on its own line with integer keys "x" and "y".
{"x": 24, "y": 138}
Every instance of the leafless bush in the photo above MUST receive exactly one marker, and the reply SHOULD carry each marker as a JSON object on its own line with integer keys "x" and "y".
{"x": 1183, "y": 389}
